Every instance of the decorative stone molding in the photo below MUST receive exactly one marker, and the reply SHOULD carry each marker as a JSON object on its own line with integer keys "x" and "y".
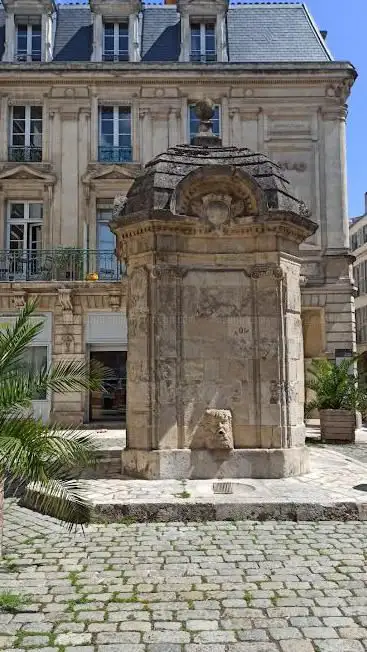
{"x": 68, "y": 343}
{"x": 19, "y": 299}
{"x": 65, "y": 301}
{"x": 115, "y": 301}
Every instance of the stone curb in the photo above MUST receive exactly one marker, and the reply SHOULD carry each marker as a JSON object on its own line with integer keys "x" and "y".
{"x": 277, "y": 511}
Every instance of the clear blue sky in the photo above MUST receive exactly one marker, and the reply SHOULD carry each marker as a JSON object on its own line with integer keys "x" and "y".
{"x": 346, "y": 24}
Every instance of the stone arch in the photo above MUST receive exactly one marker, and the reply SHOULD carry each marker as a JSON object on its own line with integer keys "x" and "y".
{"x": 219, "y": 194}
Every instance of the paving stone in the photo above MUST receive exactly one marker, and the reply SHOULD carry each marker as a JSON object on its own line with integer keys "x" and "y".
{"x": 74, "y": 637}
{"x": 302, "y": 646}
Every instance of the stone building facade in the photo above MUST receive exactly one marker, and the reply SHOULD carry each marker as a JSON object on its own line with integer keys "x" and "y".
{"x": 358, "y": 246}
{"x": 89, "y": 93}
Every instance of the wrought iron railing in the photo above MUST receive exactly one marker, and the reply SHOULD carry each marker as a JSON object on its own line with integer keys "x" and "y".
{"x": 123, "y": 55}
{"x": 114, "y": 154}
{"x": 208, "y": 57}
{"x": 36, "y": 55}
{"x": 25, "y": 154}
{"x": 61, "y": 264}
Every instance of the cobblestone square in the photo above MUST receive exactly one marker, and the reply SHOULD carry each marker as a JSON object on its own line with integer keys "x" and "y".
{"x": 172, "y": 587}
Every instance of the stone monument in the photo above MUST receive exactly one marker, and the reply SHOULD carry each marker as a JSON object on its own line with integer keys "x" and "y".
{"x": 210, "y": 236}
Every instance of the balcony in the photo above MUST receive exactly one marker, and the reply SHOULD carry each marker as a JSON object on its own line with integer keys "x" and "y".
{"x": 25, "y": 154}
{"x": 209, "y": 56}
{"x": 123, "y": 55}
{"x": 61, "y": 264}
{"x": 114, "y": 154}
{"x": 23, "y": 57}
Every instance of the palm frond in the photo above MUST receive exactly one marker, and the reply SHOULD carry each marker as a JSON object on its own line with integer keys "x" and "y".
{"x": 65, "y": 500}
{"x": 15, "y": 339}
{"x": 335, "y": 386}
{"x": 32, "y": 451}
{"x": 71, "y": 375}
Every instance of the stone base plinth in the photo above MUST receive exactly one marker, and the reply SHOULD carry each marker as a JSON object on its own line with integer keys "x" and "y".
{"x": 184, "y": 464}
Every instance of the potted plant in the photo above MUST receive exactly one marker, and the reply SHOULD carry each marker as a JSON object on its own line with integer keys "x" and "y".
{"x": 69, "y": 264}
{"x": 339, "y": 397}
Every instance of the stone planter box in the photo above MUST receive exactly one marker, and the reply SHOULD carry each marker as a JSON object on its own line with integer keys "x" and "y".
{"x": 339, "y": 425}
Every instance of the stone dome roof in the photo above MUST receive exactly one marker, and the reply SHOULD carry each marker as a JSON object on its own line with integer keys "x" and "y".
{"x": 174, "y": 180}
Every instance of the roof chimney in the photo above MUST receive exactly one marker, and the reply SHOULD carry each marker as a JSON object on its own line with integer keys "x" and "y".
{"x": 323, "y": 33}
{"x": 365, "y": 203}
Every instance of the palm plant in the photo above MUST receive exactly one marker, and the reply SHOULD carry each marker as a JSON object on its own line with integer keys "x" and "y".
{"x": 335, "y": 386}
{"x": 43, "y": 457}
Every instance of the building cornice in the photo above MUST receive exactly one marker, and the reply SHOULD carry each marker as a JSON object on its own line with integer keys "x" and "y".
{"x": 172, "y": 68}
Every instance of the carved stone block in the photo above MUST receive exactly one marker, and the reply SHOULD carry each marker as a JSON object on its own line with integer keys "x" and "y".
{"x": 214, "y": 432}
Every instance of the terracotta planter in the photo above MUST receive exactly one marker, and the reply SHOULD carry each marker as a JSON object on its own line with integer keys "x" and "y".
{"x": 339, "y": 426}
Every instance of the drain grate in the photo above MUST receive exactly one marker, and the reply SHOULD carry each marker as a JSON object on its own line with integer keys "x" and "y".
{"x": 222, "y": 487}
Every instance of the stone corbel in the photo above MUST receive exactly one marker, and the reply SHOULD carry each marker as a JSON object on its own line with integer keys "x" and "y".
{"x": 19, "y": 299}
{"x": 115, "y": 301}
{"x": 65, "y": 301}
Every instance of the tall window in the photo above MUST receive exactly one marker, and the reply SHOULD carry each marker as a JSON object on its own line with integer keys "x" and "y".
{"x": 24, "y": 240}
{"x": 24, "y": 226}
{"x": 194, "y": 122}
{"x": 116, "y": 42}
{"x": 115, "y": 134}
{"x": 107, "y": 264}
{"x": 35, "y": 360}
{"x": 28, "y": 43}
{"x": 26, "y": 134}
{"x": 203, "y": 46}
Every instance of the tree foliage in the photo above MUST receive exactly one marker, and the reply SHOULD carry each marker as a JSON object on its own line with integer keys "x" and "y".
{"x": 335, "y": 386}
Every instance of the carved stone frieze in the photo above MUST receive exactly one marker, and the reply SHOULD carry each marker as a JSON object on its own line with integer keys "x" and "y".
{"x": 258, "y": 271}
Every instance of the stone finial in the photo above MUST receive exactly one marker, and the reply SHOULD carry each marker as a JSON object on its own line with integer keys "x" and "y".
{"x": 204, "y": 110}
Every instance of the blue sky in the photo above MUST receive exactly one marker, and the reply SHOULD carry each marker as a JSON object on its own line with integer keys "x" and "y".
{"x": 346, "y": 24}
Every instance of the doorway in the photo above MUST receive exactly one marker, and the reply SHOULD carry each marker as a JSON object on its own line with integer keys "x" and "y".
{"x": 109, "y": 404}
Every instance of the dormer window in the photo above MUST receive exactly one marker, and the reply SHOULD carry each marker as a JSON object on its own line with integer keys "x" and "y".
{"x": 28, "y": 42}
{"x": 115, "y": 42}
{"x": 203, "y": 45}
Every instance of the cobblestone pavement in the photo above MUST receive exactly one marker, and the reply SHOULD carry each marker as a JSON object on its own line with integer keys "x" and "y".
{"x": 173, "y": 587}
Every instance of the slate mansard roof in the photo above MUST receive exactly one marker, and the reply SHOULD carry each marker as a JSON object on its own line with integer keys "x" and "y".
{"x": 256, "y": 32}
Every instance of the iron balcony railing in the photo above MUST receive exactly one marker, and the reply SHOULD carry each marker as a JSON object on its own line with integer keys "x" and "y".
{"x": 123, "y": 55}
{"x": 61, "y": 264}
{"x": 25, "y": 154}
{"x": 22, "y": 56}
{"x": 208, "y": 57}
{"x": 114, "y": 154}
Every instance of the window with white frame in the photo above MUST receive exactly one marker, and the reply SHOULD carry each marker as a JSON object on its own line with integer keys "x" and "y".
{"x": 28, "y": 42}
{"x": 194, "y": 122}
{"x": 23, "y": 241}
{"x": 24, "y": 226}
{"x": 26, "y": 134}
{"x": 115, "y": 42}
{"x": 203, "y": 44}
{"x": 115, "y": 145}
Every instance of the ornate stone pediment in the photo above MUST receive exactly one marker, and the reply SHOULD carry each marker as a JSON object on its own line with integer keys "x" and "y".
{"x": 28, "y": 173}
{"x": 114, "y": 172}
